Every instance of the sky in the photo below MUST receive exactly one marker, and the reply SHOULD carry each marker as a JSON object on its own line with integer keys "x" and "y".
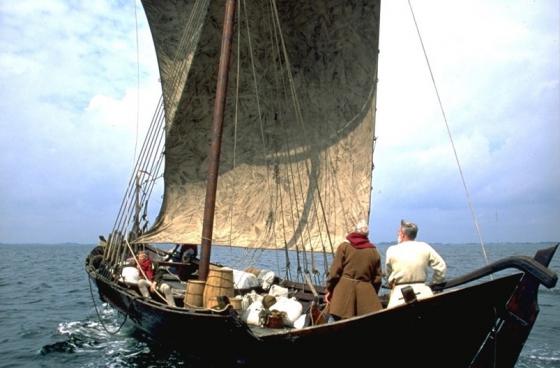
{"x": 80, "y": 84}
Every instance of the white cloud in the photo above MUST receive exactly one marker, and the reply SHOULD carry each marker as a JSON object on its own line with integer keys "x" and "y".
{"x": 69, "y": 113}
{"x": 496, "y": 65}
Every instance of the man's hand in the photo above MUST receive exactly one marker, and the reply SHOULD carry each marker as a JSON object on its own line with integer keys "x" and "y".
{"x": 153, "y": 287}
{"x": 328, "y": 297}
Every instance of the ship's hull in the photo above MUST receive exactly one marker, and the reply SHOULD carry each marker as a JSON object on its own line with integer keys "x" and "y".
{"x": 455, "y": 328}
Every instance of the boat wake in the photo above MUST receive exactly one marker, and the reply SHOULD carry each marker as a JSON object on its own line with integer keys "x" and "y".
{"x": 90, "y": 337}
{"x": 80, "y": 338}
{"x": 545, "y": 357}
{"x": 127, "y": 348}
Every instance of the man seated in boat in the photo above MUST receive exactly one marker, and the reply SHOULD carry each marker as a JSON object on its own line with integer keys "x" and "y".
{"x": 184, "y": 253}
{"x": 146, "y": 281}
{"x": 182, "y": 260}
{"x": 407, "y": 264}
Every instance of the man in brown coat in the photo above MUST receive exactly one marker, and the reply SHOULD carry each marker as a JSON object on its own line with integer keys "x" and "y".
{"x": 354, "y": 277}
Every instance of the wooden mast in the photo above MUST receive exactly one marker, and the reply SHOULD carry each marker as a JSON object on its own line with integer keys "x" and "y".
{"x": 216, "y": 140}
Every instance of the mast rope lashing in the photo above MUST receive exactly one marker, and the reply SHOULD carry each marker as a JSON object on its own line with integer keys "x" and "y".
{"x": 298, "y": 269}
{"x": 288, "y": 272}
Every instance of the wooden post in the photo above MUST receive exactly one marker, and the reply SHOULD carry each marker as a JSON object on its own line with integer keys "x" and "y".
{"x": 216, "y": 141}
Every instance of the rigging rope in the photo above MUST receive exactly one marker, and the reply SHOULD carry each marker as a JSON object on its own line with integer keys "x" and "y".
{"x": 149, "y": 161}
{"x": 291, "y": 176}
{"x": 279, "y": 197}
{"x": 275, "y": 55}
{"x": 313, "y": 181}
{"x": 248, "y": 256}
{"x": 295, "y": 175}
{"x": 260, "y": 116}
{"x": 450, "y": 137}
{"x": 99, "y": 316}
{"x": 235, "y": 126}
{"x": 317, "y": 210}
{"x": 137, "y": 82}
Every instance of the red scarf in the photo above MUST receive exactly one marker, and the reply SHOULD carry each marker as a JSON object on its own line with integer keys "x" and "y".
{"x": 359, "y": 241}
{"x": 146, "y": 266}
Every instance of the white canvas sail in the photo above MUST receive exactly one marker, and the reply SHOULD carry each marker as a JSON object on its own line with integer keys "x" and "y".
{"x": 297, "y": 148}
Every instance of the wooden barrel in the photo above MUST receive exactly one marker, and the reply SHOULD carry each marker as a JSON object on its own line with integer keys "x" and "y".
{"x": 236, "y": 303}
{"x": 194, "y": 293}
{"x": 218, "y": 283}
{"x": 213, "y": 303}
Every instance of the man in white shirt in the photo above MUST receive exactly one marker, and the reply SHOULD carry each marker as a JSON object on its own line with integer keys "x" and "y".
{"x": 407, "y": 264}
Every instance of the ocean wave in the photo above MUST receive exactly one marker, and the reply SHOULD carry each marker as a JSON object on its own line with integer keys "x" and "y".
{"x": 89, "y": 335}
{"x": 553, "y": 291}
{"x": 128, "y": 348}
{"x": 90, "y": 342}
{"x": 545, "y": 357}
{"x": 80, "y": 337}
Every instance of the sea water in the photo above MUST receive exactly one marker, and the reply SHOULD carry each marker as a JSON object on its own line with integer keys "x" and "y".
{"x": 49, "y": 316}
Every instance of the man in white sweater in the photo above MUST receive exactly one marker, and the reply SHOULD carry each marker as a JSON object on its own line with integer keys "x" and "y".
{"x": 407, "y": 264}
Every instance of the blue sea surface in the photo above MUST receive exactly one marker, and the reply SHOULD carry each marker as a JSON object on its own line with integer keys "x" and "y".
{"x": 48, "y": 317}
